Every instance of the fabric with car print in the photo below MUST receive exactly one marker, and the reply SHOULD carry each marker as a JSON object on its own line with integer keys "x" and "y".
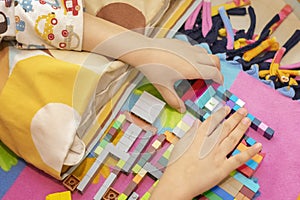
{"x": 43, "y": 24}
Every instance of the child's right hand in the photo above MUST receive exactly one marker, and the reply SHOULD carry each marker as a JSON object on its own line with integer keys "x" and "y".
{"x": 188, "y": 174}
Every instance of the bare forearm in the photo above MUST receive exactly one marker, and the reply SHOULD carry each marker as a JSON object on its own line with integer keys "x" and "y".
{"x": 112, "y": 40}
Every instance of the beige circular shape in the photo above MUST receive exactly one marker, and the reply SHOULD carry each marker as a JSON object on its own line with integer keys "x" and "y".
{"x": 53, "y": 130}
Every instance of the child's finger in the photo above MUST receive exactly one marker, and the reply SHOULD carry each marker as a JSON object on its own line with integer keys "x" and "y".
{"x": 233, "y": 121}
{"x": 211, "y": 123}
{"x": 171, "y": 97}
{"x": 228, "y": 144}
{"x": 239, "y": 159}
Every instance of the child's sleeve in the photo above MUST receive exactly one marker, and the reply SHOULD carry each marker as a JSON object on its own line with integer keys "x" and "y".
{"x": 49, "y": 24}
{"x": 7, "y": 20}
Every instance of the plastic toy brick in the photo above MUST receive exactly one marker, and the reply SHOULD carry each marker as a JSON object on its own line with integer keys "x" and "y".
{"x": 212, "y": 196}
{"x": 130, "y": 162}
{"x": 105, "y": 186}
{"x": 156, "y": 144}
{"x": 236, "y": 107}
{"x": 247, "y": 182}
{"x": 121, "y": 163}
{"x": 130, "y": 188}
{"x": 108, "y": 137}
{"x": 188, "y": 119}
{"x": 262, "y": 128}
{"x": 228, "y": 187}
{"x": 222, "y": 193}
{"x": 246, "y": 170}
{"x": 163, "y": 161}
{"x": 194, "y": 109}
{"x": 133, "y": 196}
{"x": 117, "y": 152}
{"x": 235, "y": 183}
{"x": 206, "y": 96}
{"x": 103, "y": 143}
{"x": 255, "y": 124}
{"x": 148, "y": 107}
{"x": 247, "y": 192}
{"x": 111, "y": 194}
{"x": 122, "y": 197}
{"x": 112, "y": 131}
{"x": 182, "y": 87}
{"x": 136, "y": 169}
{"x": 252, "y": 164}
{"x": 234, "y": 98}
{"x": 98, "y": 150}
{"x": 199, "y": 87}
{"x": 250, "y": 141}
{"x": 183, "y": 126}
{"x": 257, "y": 158}
{"x": 178, "y": 132}
{"x": 230, "y": 103}
{"x": 71, "y": 182}
{"x": 171, "y": 138}
{"x": 240, "y": 102}
{"x": 239, "y": 196}
{"x": 206, "y": 116}
{"x": 142, "y": 172}
{"x": 152, "y": 170}
{"x": 121, "y": 118}
{"x": 59, "y": 196}
{"x": 117, "y": 125}
{"x": 269, "y": 133}
{"x": 137, "y": 178}
{"x": 190, "y": 94}
{"x": 146, "y": 196}
{"x": 212, "y": 104}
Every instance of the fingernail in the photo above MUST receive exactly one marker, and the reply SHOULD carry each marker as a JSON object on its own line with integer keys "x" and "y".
{"x": 242, "y": 111}
{"x": 181, "y": 109}
{"x": 257, "y": 145}
{"x": 246, "y": 121}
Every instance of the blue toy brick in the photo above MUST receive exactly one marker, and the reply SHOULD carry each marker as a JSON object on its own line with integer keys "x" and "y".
{"x": 108, "y": 137}
{"x": 146, "y": 156}
{"x": 233, "y": 98}
{"x": 247, "y": 182}
{"x": 194, "y": 109}
{"x": 227, "y": 94}
{"x": 205, "y": 116}
{"x": 269, "y": 133}
{"x": 222, "y": 193}
{"x": 235, "y": 152}
{"x": 251, "y": 117}
{"x": 163, "y": 161}
{"x": 250, "y": 141}
{"x": 252, "y": 164}
{"x": 236, "y": 107}
{"x": 205, "y": 97}
{"x": 220, "y": 93}
{"x": 255, "y": 123}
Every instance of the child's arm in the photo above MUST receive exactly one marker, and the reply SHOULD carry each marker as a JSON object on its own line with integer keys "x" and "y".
{"x": 187, "y": 175}
{"x": 163, "y": 61}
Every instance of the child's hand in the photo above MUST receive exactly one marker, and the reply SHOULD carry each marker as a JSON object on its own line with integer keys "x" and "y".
{"x": 188, "y": 175}
{"x": 166, "y": 61}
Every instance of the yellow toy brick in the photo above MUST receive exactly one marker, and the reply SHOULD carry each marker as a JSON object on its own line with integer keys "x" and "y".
{"x": 59, "y": 196}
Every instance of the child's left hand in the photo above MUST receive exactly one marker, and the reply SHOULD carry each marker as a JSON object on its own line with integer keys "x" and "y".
{"x": 166, "y": 61}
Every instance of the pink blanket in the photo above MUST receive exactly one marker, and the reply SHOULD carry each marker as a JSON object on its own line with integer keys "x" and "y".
{"x": 279, "y": 174}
